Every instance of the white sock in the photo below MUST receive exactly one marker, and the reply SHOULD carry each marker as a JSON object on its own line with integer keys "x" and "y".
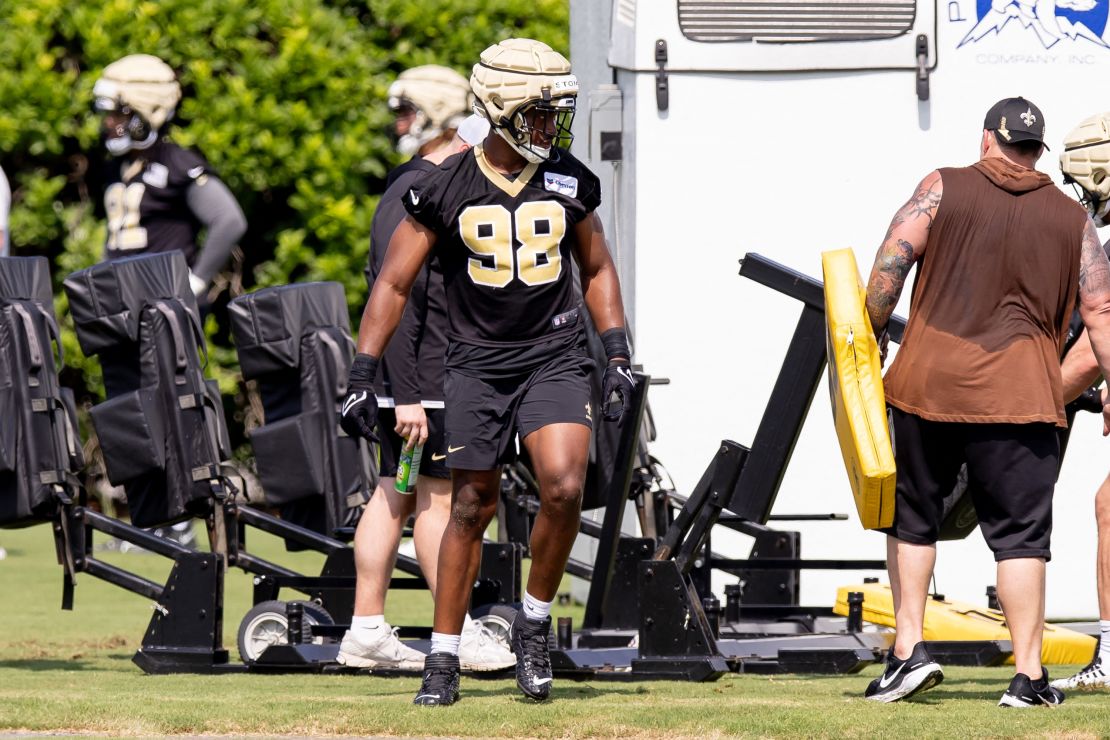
{"x": 442, "y": 643}
{"x": 368, "y": 623}
{"x": 536, "y": 609}
{"x": 1104, "y": 642}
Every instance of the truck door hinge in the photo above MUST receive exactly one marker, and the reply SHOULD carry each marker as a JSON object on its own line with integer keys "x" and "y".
{"x": 922, "y": 67}
{"x": 662, "y": 90}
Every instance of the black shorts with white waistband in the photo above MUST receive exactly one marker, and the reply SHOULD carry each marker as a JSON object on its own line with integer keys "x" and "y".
{"x": 1011, "y": 471}
{"x": 433, "y": 461}
{"x": 484, "y": 415}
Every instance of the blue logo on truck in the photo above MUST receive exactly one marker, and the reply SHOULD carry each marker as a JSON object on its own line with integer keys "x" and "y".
{"x": 1051, "y": 21}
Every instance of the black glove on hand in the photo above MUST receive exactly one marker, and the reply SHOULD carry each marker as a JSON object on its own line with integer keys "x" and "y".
{"x": 617, "y": 379}
{"x": 359, "y": 413}
{"x": 1089, "y": 400}
{"x": 618, "y": 374}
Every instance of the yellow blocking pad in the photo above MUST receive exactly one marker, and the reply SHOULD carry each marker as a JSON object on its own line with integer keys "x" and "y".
{"x": 856, "y": 387}
{"x": 957, "y": 620}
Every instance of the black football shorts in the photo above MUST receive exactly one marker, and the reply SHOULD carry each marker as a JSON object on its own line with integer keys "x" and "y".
{"x": 484, "y": 416}
{"x": 433, "y": 462}
{"x": 1011, "y": 472}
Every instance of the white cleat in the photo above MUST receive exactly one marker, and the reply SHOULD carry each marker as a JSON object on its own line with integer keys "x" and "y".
{"x": 480, "y": 650}
{"x": 378, "y": 648}
{"x": 1094, "y": 676}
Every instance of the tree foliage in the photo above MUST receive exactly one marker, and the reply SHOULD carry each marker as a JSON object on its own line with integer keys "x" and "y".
{"x": 286, "y": 99}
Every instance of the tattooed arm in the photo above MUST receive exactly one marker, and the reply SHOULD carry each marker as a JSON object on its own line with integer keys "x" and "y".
{"x": 1094, "y": 302}
{"x": 903, "y": 245}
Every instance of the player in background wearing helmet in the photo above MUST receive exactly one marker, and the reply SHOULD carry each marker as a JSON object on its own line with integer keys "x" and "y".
{"x": 428, "y": 104}
{"x": 159, "y": 195}
{"x": 409, "y": 390}
{"x": 1086, "y": 163}
{"x": 505, "y": 220}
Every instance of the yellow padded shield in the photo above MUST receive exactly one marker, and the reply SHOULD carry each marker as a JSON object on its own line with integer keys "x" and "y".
{"x": 856, "y": 387}
{"x": 958, "y": 620}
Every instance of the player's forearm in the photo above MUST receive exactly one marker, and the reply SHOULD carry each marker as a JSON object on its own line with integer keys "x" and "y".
{"x": 602, "y": 293}
{"x": 216, "y": 208}
{"x": 888, "y": 277}
{"x": 1079, "y": 370}
{"x": 1098, "y": 329}
{"x": 382, "y": 315}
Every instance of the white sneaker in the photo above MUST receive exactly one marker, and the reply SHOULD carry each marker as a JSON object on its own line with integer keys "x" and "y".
{"x": 378, "y": 648}
{"x": 1094, "y": 676}
{"x": 480, "y": 650}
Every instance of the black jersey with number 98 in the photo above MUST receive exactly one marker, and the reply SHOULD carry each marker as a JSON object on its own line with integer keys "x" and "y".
{"x": 506, "y": 245}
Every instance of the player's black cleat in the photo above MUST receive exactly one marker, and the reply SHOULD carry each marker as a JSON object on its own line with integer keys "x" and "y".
{"x": 904, "y": 678}
{"x": 1024, "y": 693}
{"x": 533, "y": 660}
{"x": 440, "y": 686}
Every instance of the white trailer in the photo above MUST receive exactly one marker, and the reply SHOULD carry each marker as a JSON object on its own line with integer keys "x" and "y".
{"x": 790, "y": 127}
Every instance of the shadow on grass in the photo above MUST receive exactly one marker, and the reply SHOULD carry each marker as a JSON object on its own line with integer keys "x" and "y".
{"x": 44, "y": 664}
{"x": 940, "y": 695}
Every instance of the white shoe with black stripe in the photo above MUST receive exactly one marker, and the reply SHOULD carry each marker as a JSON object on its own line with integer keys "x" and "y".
{"x": 1024, "y": 693}
{"x": 1094, "y": 676}
{"x": 904, "y": 678}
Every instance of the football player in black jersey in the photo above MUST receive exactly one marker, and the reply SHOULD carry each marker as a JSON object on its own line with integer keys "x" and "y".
{"x": 159, "y": 195}
{"x": 409, "y": 390}
{"x": 505, "y": 220}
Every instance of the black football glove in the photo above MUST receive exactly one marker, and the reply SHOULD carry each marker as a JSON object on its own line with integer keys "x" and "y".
{"x": 617, "y": 381}
{"x": 359, "y": 414}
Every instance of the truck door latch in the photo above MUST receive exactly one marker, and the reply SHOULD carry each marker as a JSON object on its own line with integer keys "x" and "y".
{"x": 922, "y": 66}
{"x": 662, "y": 90}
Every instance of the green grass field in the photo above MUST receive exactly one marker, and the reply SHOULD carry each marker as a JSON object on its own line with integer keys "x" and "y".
{"x": 72, "y": 672}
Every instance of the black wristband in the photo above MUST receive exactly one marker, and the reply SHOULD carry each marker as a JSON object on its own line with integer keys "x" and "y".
{"x": 616, "y": 344}
{"x": 363, "y": 369}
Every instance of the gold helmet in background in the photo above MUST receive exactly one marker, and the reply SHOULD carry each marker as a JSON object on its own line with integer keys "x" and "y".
{"x": 142, "y": 87}
{"x": 526, "y": 91}
{"x": 1086, "y": 163}
{"x": 439, "y": 98}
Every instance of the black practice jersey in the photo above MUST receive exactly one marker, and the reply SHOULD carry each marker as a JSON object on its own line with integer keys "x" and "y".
{"x": 506, "y": 245}
{"x": 145, "y": 201}
{"x": 411, "y": 369}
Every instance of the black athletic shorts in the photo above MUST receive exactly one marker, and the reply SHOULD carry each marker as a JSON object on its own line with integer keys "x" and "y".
{"x": 433, "y": 460}
{"x": 485, "y": 415}
{"x": 1011, "y": 472}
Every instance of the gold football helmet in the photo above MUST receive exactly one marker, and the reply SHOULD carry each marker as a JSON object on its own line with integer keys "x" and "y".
{"x": 1086, "y": 163}
{"x": 526, "y": 91}
{"x": 144, "y": 89}
{"x": 439, "y": 97}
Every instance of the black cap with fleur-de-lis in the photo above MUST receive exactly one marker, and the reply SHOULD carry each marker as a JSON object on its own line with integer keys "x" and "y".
{"x": 1014, "y": 120}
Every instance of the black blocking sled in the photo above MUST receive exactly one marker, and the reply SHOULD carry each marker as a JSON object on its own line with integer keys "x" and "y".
{"x": 650, "y": 612}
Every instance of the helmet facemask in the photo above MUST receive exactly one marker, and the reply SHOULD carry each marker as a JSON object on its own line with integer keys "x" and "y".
{"x": 1098, "y": 207}
{"x": 535, "y": 129}
{"x": 409, "y": 142}
{"x": 129, "y": 131}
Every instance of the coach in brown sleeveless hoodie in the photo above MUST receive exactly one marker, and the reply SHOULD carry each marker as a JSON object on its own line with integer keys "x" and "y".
{"x": 1002, "y": 255}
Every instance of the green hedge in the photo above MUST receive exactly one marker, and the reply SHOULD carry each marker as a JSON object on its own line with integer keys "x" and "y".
{"x": 286, "y": 98}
